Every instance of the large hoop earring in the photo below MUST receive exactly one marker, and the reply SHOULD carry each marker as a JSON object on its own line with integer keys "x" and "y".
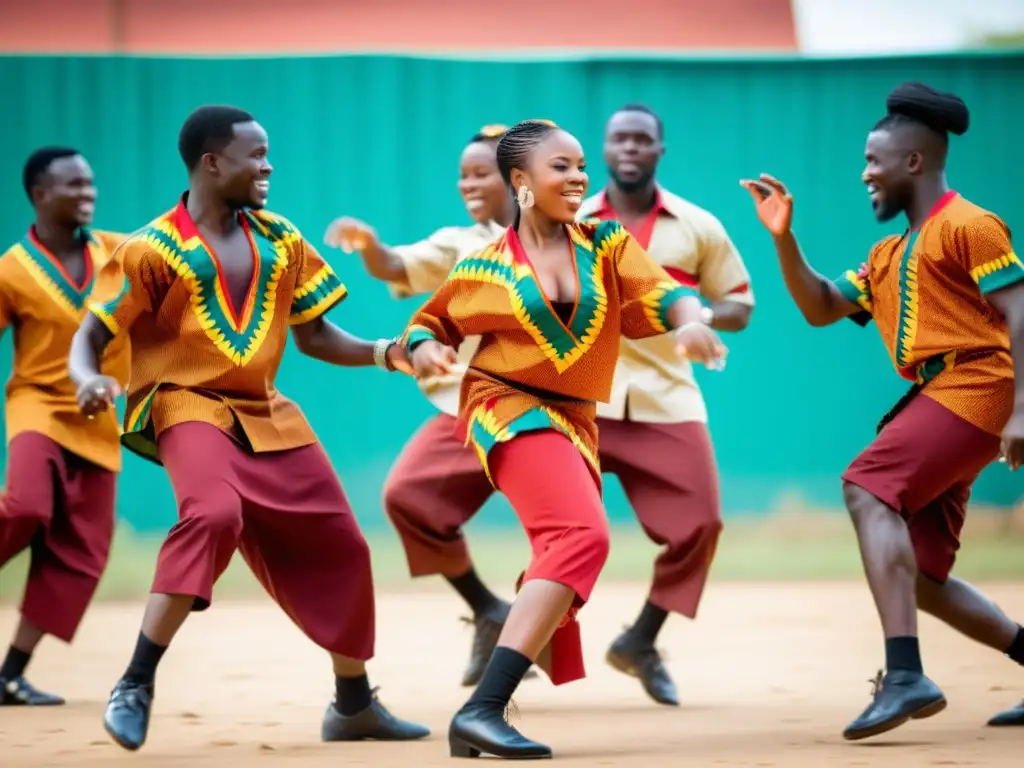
{"x": 525, "y": 197}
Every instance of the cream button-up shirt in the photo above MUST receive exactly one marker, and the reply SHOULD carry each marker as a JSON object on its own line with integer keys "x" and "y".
{"x": 427, "y": 264}
{"x": 652, "y": 383}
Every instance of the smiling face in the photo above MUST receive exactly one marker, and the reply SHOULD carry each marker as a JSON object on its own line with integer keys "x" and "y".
{"x": 66, "y": 193}
{"x": 632, "y": 149}
{"x": 480, "y": 183}
{"x": 889, "y": 173}
{"x": 556, "y": 174}
{"x": 241, "y": 171}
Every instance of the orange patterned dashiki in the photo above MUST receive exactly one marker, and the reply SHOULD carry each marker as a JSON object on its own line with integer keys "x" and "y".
{"x": 194, "y": 358}
{"x": 45, "y": 306}
{"x": 533, "y": 370}
{"x": 926, "y": 292}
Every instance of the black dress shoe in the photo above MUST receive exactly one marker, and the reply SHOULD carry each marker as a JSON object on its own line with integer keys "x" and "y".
{"x": 18, "y": 692}
{"x": 476, "y": 731}
{"x": 899, "y": 696}
{"x": 373, "y": 723}
{"x": 639, "y": 658}
{"x": 1012, "y": 716}
{"x": 127, "y": 716}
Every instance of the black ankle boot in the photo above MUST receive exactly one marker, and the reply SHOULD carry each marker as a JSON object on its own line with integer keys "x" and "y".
{"x": 478, "y": 729}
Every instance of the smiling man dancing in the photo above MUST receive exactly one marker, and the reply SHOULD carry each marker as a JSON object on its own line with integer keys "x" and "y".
{"x": 947, "y": 296}
{"x": 207, "y": 293}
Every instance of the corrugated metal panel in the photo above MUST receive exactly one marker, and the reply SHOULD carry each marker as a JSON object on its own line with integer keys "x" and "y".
{"x": 379, "y": 138}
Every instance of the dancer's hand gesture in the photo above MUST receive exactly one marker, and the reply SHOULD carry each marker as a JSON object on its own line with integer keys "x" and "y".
{"x": 350, "y": 234}
{"x": 773, "y": 203}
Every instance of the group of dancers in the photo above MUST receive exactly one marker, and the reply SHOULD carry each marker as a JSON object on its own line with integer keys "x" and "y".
{"x": 556, "y": 342}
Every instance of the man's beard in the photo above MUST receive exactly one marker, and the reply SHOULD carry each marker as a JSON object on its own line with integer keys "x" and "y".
{"x": 635, "y": 185}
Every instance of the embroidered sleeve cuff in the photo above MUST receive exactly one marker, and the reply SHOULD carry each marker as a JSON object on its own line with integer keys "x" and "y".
{"x": 854, "y": 290}
{"x": 998, "y": 273}
{"x": 657, "y": 303}
{"x": 316, "y": 296}
{"x": 416, "y": 335}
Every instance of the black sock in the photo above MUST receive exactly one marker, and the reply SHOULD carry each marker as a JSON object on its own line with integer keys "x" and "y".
{"x": 142, "y": 667}
{"x": 903, "y": 653}
{"x": 1015, "y": 651}
{"x": 649, "y": 622}
{"x": 504, "y": 672}
{"x": 352, "y": 694}
{"x": 15, "y": 663}
{"x": 474, "y": 592}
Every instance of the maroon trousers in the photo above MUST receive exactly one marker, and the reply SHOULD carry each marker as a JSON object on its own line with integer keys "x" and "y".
{"x": 61, "y": 507}
{"x": 433, "y": 489}
{"x": 668, "y": 472}
{"x": 287, "y": 514}
{"x": 922, "y": 465}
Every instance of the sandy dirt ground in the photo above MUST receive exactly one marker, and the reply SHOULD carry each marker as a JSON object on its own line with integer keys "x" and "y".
{"x": 769, "y": 676}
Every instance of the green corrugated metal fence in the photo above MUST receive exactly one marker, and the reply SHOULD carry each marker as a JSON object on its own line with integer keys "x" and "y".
{"x": 379, "y": 137}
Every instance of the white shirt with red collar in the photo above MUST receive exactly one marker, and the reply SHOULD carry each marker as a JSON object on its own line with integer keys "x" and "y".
{"x": 693, "y": 246}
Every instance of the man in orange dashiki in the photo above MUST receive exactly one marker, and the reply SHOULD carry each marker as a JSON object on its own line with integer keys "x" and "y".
{"x": 947, "y": 297}
{"x": 61, "y": 467}
{"x": 653, "y": 431}
{"x": 207, "y": 293}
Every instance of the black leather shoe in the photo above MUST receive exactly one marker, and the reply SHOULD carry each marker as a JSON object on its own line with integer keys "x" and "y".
{"x": 476, "y": 731}
{"x": 899, "y": 696}
{"x": 640, "y": 659}
{"x": 127, "y": 715}
{"x": 1012, "y": 716}
{"x": 19, "y": 692}
{"x": 373, "y": 723}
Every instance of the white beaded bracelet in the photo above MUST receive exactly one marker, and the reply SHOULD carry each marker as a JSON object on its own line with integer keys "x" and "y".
{"x": 380, "y": 353}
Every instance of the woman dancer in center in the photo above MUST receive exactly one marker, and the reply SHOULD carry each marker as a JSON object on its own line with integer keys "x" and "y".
{"x": 550, "y": 299}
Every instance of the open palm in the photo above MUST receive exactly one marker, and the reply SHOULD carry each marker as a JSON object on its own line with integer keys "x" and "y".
{"x": 772, "y": 201}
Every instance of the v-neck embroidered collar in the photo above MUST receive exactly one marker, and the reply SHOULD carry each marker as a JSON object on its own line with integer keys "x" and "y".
{"x": 520, "y": 257}
{"x": 51, "y": 274}
{"x": 505, "y": 263}
{"x": 237, "y": 316}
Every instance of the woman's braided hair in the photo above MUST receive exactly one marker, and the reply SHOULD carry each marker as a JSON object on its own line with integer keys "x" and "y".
{"x": 515, "y": 147}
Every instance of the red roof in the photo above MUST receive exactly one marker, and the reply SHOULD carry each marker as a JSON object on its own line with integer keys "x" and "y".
{"x": 412, "y": 26}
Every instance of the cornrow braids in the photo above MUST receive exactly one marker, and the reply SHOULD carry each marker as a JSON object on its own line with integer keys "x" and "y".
{"x": 517, "y": 143}
{"x": 515, "y": 147}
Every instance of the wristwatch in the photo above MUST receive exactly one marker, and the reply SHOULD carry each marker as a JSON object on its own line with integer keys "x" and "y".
{"x": 707, "y": 315}
{"x": 380, "y": 353}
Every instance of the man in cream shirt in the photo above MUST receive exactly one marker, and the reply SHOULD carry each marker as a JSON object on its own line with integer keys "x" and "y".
{"x": 653, "y": 433}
